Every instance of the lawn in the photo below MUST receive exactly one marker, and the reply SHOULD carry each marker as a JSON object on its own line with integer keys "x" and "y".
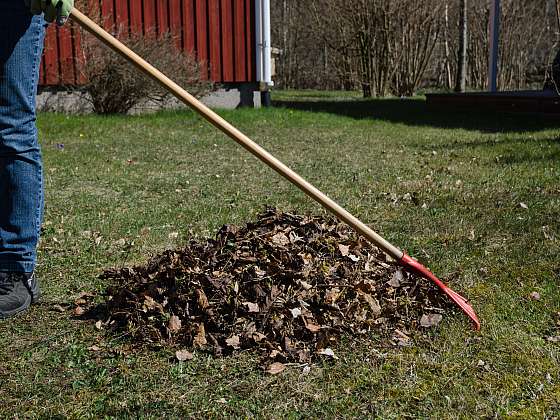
{"x": 474, "y": 196}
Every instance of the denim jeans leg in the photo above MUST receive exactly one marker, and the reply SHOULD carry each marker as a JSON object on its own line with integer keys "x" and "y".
{"x": 21, "y": 177}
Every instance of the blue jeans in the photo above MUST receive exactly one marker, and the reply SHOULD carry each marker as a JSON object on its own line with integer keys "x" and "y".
{"x": 21, "y": 175}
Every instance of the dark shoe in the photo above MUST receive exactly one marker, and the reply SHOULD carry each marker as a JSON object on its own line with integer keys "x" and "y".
{"x": 17, "y": 292}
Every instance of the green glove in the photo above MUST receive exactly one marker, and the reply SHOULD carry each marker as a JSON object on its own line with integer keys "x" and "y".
{"x": 53, "y": 9}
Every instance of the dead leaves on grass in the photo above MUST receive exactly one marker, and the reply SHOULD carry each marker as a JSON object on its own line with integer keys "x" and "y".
{"x": 286, "y": 285}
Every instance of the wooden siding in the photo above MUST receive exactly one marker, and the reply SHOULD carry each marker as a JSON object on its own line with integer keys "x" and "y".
{"x": 219, "y": 32}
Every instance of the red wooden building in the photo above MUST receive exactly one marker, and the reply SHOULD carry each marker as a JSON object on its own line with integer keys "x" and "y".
{"x": 223, "y": 34}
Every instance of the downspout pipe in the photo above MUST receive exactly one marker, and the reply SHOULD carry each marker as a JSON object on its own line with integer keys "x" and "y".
{"x": 264, "y": 49}
{"x": 267, "y": 44}
{"x": 259, "y": 38}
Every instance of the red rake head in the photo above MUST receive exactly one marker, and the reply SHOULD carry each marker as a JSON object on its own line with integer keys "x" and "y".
{"x": 415, "y": 267}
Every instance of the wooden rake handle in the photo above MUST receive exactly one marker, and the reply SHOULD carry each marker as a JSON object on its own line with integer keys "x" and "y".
{"x": 236, "y": 135}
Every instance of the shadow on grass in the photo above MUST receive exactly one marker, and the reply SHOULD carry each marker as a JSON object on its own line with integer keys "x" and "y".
{"x": 416, "y": 112}
{"x": 540, "y": 150}
{"x": 537, "y": 155}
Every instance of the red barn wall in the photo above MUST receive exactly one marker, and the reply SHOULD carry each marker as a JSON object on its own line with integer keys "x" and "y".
{"x": 220, "y": 33}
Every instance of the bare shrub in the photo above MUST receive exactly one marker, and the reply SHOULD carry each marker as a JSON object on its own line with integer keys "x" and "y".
{"x": 398, "y": 46}
{"x": 527, "y": 36}
{"x": 306, "y": 61}
{"x": 413, "y": 38}
{"x": 115, "y": 87}
{"x": 385, "y": 45}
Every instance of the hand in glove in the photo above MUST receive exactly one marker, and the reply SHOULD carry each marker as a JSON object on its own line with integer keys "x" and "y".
{"x": 53, "y": 9}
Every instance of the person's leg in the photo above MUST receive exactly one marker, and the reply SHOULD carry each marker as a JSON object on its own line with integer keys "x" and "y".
{"x": 21, "y": 190}
{"x": 21, "y": 196}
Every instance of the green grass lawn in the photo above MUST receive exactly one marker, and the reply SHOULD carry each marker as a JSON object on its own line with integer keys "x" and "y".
{"x": 447, "y": 187}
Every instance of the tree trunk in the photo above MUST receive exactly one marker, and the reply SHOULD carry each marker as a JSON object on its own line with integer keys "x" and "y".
{"x": 558, "y": 14}
{"x": 461, "y": 81}
{"x": 446, "y": 44}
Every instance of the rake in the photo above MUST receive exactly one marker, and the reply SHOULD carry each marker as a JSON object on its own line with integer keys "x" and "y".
{"x": 400, "y": 256}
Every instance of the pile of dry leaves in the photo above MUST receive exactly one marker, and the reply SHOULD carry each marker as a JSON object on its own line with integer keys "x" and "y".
{"x": 286, "y": 285}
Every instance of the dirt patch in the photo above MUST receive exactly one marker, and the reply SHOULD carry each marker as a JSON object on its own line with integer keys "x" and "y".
{"x": 286, "y": 285}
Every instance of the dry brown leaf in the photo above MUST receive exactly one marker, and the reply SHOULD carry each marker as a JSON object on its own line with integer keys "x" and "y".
{"x": 280, "y": 239}
{"x": 252, "y": 307}
{"x": 202, "y": 299}
{"x": 58, "y": 308}
{"x": 328, "y": 352}
{"x": 183, "y": 355}
{"x": 120, "y": 243}
{"x": 83, "y": 298}
{"x": 306, "y": 258}
{"x": 535, "y": 296}
{"x": 85, "y": 295}
{"x": 234, "y": 342}
{"x": 295, "y": 312}
{"x": 276, "y": 368}
{"x": 305, "y": 285}
{"x": 373, "y": 304}
{"x": 200, "y": 338}
{"x": 402, "y": 339}
{"x": 331, "y": 296}
{"x": 294, "y": 237}
{"x": 150, "y": 303}
{"x": 344, "y": 249}
{"x": 79, "y": 311}
{"x": 314, "y": 328}
{"x": 396, "y": 279}
{"x": 430, "y": 320}
{"x": 273, "y": 354}
{"x": 174, "y": 324}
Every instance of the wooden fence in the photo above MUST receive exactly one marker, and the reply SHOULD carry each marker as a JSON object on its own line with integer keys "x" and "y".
{"x": 220, "y": 33}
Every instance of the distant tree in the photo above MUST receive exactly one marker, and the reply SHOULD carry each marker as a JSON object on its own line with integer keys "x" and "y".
{"x": 461, "y": 81}
{"x": 552, "y": 81}
{"x": 397, "y": 46}
{"x": 558, "y": 14}
{"x": 304, "y": 62}
{"x": 384, "y": 45}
